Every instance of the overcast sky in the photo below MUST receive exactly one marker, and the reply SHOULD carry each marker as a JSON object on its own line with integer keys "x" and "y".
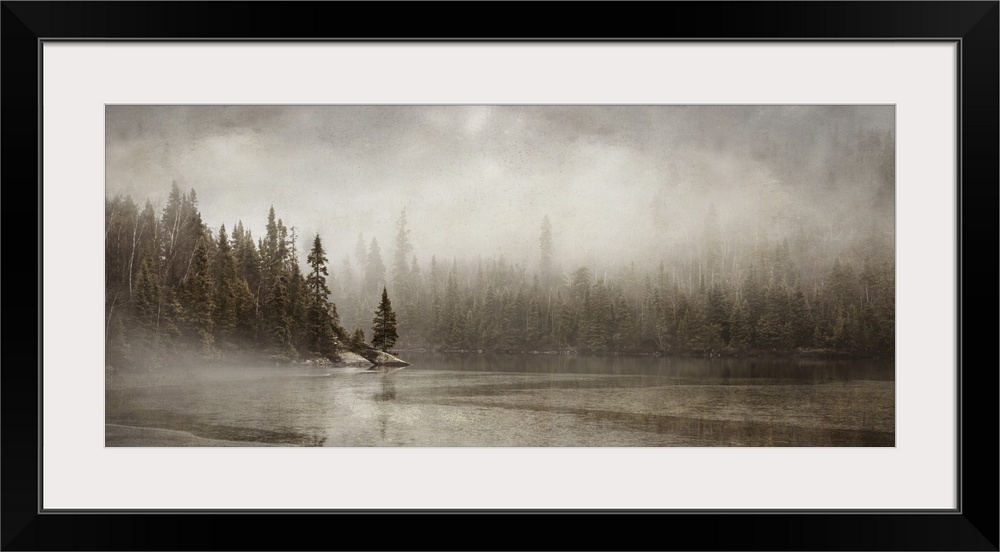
{"x": 617, "y": 182}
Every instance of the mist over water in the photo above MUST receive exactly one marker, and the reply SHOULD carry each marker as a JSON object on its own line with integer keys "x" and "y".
{"x": 511, "y": 400}
{"x": 560, "y": 275}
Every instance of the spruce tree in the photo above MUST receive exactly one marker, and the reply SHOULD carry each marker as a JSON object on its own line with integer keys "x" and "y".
{"x": 320, "y": 326}
{"x": 225, "y": 275}
{"x": 739, "y": 326}
{"x": 451, "y": 320}
{"x": 247, "y": 257}
{"x": 279, "y": 323}
{"x": 196, "y": 297}
{"x": 145, "y": 300}
{"x": 384, "y": 324}
{"x": 299, "y": 306}
{"x": 146, "y": 308}
{"x": 358, "y": 339}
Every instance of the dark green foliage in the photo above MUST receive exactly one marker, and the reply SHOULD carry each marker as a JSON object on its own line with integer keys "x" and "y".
{"x": 196, "y": 298}
{"x": 247, "y": 258}
{"x": 299, "y": 301}
{"x": 739, "y": 326}
{"x": 533, "y": 326}
{"x": 146, "y": 300}
{"x": 450, "y": 326}
{"x": 247, "y": 310}
{"x": 181, "y": 229}
{"x": 279, "y": 324}
{"x": 384, "y": 333}
{"x": 624, "y": 335}
{"x": 800, "y": 319}
{"x": 717, "y": 311}
{"x": 358, "y": 339}
{"x": 173, "y": 286}
{"x": 754, "y": 293}
{"x": 597, "y": 329}
{"x": 322, "y": 315}
{"x": 226, "y": 290}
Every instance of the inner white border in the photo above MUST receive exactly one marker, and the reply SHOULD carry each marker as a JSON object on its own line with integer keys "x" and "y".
{"x": 80, "y": 78}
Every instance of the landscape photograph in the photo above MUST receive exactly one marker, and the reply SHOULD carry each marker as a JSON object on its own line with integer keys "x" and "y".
{"x": 500, "y": 276}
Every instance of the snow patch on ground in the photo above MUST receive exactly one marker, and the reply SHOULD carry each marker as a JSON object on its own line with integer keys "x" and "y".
{"x": 348, "y": 358}
{"x": 385, "y": 359}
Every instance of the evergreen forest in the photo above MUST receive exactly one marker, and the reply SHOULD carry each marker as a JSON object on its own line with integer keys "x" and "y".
{"x": 178, "y": 286}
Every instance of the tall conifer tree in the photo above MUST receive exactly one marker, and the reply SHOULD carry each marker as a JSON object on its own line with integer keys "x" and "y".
{"x": 384, "y": 324}
{"x": 321, "y": 321}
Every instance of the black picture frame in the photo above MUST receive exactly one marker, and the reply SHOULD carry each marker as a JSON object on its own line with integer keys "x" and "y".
{"x": 973, "y": 525}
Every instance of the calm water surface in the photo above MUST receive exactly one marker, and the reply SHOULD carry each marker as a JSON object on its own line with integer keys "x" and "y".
{"x": 512, "y": 401}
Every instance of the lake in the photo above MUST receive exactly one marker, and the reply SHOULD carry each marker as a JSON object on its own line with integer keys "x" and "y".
{"x": 485, "y": 400}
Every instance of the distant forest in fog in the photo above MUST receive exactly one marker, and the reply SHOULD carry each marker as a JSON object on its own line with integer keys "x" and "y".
{"x": 765, "y": 230}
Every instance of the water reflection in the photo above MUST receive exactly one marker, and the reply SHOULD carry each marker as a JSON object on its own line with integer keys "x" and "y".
{"x": 805, "y": 370}
{"x": 516, "y": 400}
{"x": 386, "y": 393}
{"x": 387, "y": 387}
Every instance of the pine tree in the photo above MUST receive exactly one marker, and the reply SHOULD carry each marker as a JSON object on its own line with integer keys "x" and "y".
{"x": 321, "y": 336}
{"x": 299, "y": 303}
{"x": 358, "y": 339}
{"x": 597, "y": 327}
{"x": 451, "y": 323}
{"x": 247, "y": 257}
{"x": 196, "y": 297}
{"x": 246, "y": 312}
{"x": 772, "y": 330}
{"x": 146, "y": 299}
{"x": 716, "y": 312}
{"x": 225, "y": 274}
{"x": 567, "y": 322}
{"x": 800, "y": 319}
{"x": 739, "y": 326}
{"x": 659, "y": 323}
{"x": 182, "y": 230}
{"x": 384, "y": 324}
{"x": 279, "y": 323}
{"x": 626, "y": 331}
{"x": 270, "y": 261}
{"x": 284, "y": 256}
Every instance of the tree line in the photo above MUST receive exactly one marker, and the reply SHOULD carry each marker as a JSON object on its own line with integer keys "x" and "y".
{"x": 174, "y": 285}
{"x": 713, "y": 301}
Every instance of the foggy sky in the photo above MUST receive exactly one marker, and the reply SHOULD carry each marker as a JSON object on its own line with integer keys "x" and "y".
{"x": 619, "y": 183}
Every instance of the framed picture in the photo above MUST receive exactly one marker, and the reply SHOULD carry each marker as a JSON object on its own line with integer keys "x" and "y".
{"x": 925, "y": 72}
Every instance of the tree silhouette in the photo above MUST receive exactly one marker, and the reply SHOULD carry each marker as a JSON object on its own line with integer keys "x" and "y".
{"x": 384, "y": 324}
